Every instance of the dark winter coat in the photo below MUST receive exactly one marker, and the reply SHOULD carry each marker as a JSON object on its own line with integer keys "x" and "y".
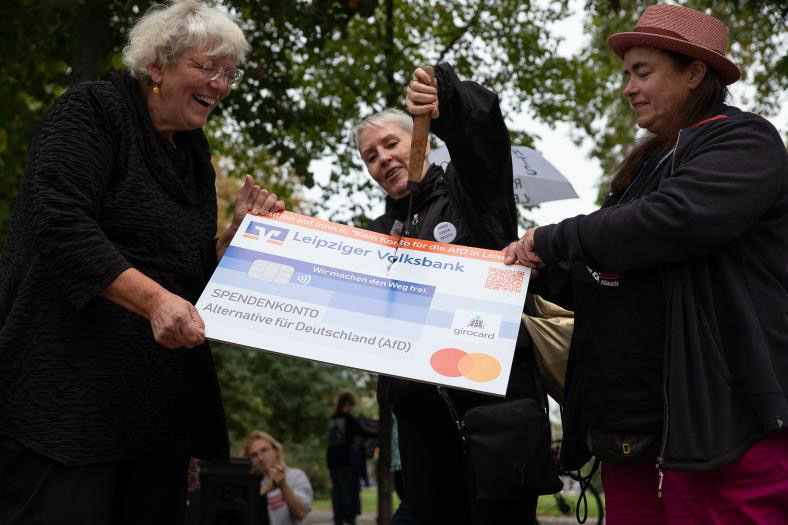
{"x": 82, "y": 379}
{"x": 716, "y": 229}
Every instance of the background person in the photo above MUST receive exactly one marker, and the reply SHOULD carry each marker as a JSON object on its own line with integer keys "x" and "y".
{"x": 471, "y": 203}
{"x": 342, "y": 456}
{"x": 286, "y": 491}
{"x": 106, "y": 384}
{"x": 680, "y": 290}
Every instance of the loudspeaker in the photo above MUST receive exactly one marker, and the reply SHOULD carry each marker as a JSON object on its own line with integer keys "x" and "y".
{"x": 228, "y": 495}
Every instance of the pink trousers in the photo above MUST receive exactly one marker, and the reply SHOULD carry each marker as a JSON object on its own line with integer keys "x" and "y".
{"x": 751, "y": 490}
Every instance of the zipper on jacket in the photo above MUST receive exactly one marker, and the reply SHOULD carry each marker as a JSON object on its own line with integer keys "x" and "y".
{"x": 675, "y": 148}
{"x": 666, "y": 367}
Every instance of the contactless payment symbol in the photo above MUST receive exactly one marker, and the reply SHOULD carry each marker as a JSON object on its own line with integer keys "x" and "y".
{"x": 476, "y": 366}
{"x": 271, "y": 234}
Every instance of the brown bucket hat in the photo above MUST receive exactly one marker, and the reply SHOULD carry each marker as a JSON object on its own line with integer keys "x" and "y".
{"x": 684, "y": 31}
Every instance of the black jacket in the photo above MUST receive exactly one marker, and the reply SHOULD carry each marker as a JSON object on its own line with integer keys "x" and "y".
{"x": 717, "y": 231}
{"x": 475, "y": 193}
{"x": 82, "y": 379}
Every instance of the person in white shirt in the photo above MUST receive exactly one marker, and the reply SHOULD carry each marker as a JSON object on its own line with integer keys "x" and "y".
{"x": 286, "y": 491}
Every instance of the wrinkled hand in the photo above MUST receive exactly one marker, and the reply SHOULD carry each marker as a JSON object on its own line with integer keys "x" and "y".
{"x": 421, "y": 96}
{"x": 175, "y": 322}
{"x": 522, "y": 251}
{"x": 252, "y": 198}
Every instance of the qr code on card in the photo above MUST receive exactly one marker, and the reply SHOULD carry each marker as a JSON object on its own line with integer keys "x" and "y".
{"x": 504, "y": 280}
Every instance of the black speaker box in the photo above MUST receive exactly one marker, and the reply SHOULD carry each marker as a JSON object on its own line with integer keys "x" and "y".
{"x": 228, "y": 495}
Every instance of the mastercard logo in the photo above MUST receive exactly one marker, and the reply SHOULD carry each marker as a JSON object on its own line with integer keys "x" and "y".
{"x": 453, "y": 362}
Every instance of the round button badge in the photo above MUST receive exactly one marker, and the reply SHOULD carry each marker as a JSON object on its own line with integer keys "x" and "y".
{"x": 445, "y": 232}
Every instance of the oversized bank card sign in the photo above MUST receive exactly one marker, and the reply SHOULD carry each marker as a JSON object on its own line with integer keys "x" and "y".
{"x": 420, "y": 310}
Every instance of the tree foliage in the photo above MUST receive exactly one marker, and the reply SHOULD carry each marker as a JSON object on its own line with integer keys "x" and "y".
{"x": 290, "y": 398}
{"x": 311, "y": 80}
{"x": 47, "y": 45}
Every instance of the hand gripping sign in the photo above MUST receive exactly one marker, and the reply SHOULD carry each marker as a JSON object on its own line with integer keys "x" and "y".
{"x": 420, "y": 310}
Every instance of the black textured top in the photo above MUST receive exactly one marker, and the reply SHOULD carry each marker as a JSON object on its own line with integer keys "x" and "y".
{"x": 82, "y": 379}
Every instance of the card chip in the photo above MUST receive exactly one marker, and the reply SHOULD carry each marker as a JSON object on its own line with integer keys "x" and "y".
{"x": 271, "y": 271}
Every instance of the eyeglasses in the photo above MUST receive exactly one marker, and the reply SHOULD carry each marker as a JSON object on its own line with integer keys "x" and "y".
{"x": 212, "y": 71}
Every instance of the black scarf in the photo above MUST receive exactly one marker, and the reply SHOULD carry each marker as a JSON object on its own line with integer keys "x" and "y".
{"x": 185, "y": 172}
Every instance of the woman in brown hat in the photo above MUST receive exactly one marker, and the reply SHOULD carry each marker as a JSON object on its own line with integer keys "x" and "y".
{"x": 678, "y": 372}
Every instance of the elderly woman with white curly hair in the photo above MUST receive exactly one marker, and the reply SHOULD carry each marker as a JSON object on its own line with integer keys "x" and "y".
{"x": 107, "y": 386}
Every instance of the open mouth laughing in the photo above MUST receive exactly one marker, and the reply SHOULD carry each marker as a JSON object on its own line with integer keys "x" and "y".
{"x": 204, "y": 100}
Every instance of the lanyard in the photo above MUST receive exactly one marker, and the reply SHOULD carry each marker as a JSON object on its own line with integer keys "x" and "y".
{"x": 662, "y": 159}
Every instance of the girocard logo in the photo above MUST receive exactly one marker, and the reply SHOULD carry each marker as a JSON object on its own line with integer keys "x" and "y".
{"x": 475, "y": 326}
{"x": 271, "y": 234}
{"x": 476, "y": 322}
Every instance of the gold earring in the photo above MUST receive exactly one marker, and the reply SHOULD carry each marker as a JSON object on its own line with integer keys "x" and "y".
{"x": 156, "y": 88}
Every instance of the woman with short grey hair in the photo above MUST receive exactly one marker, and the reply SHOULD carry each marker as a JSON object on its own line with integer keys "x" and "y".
{"x": 107, "y": 385}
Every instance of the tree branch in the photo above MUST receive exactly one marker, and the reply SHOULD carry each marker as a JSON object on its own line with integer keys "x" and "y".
{"x": 461, "y": 31}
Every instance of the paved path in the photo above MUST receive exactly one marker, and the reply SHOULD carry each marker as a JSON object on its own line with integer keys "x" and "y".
{"x": 324, "y": 517}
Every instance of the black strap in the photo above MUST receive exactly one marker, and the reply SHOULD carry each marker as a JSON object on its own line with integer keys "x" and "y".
{"x": 585, "y": 482}
{"x": 453, "y": 411}
{"x": 540, "y": 392}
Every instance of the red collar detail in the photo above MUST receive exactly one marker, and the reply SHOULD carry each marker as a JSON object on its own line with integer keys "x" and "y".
{"x": 716, "y": 117}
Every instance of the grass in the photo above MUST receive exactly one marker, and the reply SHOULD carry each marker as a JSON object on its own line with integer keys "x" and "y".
{"x": 547, "y": 505}
{"x": 369, "y": 500}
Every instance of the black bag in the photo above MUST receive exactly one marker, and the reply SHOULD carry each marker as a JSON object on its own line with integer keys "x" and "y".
{"x": 622, "y": 448}
{"x": 507, "y": 449}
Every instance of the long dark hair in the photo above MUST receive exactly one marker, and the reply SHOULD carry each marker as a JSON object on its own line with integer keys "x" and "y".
{"x": 345, "y": 399}
{"x": 709, "y": 94}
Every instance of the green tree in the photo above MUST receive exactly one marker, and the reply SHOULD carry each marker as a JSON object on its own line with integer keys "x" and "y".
{"x": 329, "y": 77}
{"x": 47, "y": 45}
{"x": 290, "y": 398}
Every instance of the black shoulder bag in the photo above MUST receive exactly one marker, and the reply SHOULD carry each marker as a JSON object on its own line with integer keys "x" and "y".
{"x": 506, "y": 447}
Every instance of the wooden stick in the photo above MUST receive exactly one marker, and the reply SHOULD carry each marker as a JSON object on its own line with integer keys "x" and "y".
{"x": 418, "y": 142}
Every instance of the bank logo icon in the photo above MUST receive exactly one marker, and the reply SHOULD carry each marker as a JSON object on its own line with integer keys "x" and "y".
{"x": 271, "y": 234}
{"x": 476, "y": 322}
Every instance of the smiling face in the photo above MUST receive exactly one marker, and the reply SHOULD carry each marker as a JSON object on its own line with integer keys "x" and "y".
{"x": 187, "y": 97}
{"x": 657, "y": 89}
{"x": 263, "y": 455}
{"x": 385, "y": 151}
